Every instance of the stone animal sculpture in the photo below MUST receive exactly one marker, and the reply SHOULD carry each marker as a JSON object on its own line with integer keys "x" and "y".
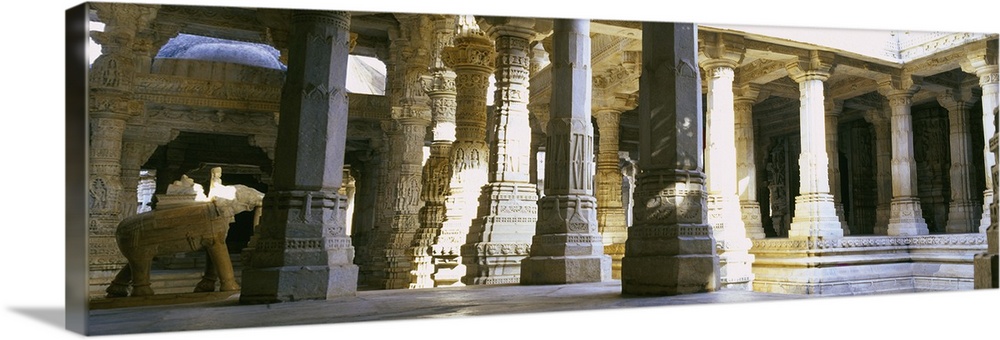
{"x": 183, "y": 228}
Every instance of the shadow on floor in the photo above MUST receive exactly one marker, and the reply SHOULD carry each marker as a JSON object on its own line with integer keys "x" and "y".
{"x": 52, "y": 316}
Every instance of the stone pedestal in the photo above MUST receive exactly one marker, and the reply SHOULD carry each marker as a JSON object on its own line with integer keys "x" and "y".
{"x": 670, "y": 248}
{"x": 302, "y": 251}
{"x": 501, "y": 235}
{"x": 567, "y": 246}
{"x": 815, "y": 215}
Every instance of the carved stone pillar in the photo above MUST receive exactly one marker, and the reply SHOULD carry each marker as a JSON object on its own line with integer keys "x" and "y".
{"x": 833, "y": 110}
{"x": 905, "y": 215}
{"x": 670, "y": 248}
{"x": 963, "y": 213}
{"x": 110, "y": 105}
{"x": 501, "y": 235}
{"x": 720, "y": 57}
{"x": 411, "y": 112}
{"x": 134, "y": 154}
{"x": 440, "y": 87}
{"x": 982, "y": 61}
{"x": 987, "y": 265}
{"x": 815, "y": 215}
{"x": 883, "y": 168}
{"x": 746, "y": 166}
{"x": 302, "y": 251}
{"x": 472, "y": 58}
{"x": 611, "y": 219}
{"x": 567, "y": 246}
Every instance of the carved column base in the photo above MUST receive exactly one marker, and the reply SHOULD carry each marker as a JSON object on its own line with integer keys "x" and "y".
{"x": 301, "y": 251}
{"x": 616, "y": 251}
{"x": 839, "y": 207}
{"x": 815, "y": 217}
{"x": 984, "y": 223}
{"x": 670, "y": 260}
{"x": 565, "y": 269}
{"x": 750, "y": 214}
{"x": 963, "y": 218}
{"x": 986, "y": 265}
{"x": 732, "y": 244}
{"x": 502, "y": 234}
{"x": 882, "y": 220}
{"x": 566, "y": 247}
{"x": 611, "y": 223}
{"x": 906, "y": 217}
{"x": 491, "y": 263}
{"x": 447, "y": 259}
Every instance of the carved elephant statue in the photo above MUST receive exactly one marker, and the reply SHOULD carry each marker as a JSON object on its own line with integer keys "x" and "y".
{"x": 184, "y": 228}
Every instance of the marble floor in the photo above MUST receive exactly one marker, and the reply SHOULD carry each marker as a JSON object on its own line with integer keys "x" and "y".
{"x": 222, "y": 310}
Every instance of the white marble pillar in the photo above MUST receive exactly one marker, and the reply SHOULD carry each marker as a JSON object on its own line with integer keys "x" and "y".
{"x": 302, "y": 251}
{"x": 746, "y": 167}
{"x": 501, "y": 235}
{"x": 670, "y": 248}
{"x": 963, "y": 213}
{"x": 724, "y": 213}
{"x": 988, "y": 81}
{"x": 437, "y": 172}
{"x": 883, "y": 170}
{"x": 815, "y": 215}
{"x": 833, "y": 110}
{"x": 905, "y": 215}
{"x": 567, "y": 246}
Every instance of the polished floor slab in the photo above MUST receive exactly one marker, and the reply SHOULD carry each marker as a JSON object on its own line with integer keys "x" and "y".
{"x": 226, "y": 312}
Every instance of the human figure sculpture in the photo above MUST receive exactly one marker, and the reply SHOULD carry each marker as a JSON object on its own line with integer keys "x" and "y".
{"x": 182, "y": 228}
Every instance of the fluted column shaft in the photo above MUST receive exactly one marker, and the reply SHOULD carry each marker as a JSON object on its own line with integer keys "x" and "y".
{"x": 302, "y": 251}
{"x": 963, "y": 213}
{"x": 670, "y": 248}
{"x": 567, "y": 246}
{"x": 905, "y": 215}
{"x": 723, "y": 203}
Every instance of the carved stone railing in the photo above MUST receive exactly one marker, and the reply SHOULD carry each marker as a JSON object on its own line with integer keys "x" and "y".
{"x": 856, "y": 265}
{"x": 935, "y": 43}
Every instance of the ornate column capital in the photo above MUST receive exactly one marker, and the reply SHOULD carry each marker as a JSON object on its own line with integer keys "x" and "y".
{"x": 818, "y": 66}
{"x": 523, "y": 28}
{"x": 717, "y": 50}
{"x": 954, "y": 99}
{"x": 899, "y": 89}
{"x": 750, "y": 92}
{"x": 981, "y": 60}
